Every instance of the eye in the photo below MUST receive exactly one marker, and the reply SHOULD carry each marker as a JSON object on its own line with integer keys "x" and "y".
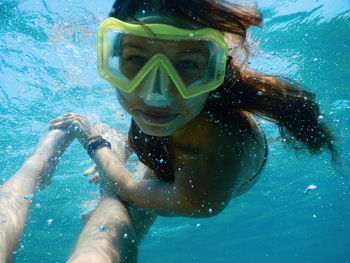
{"x": 136, "y": 60}
{"x": 187, "y": 65}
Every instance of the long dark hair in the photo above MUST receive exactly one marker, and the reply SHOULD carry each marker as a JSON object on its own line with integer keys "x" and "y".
{"x": 276, "y": 98}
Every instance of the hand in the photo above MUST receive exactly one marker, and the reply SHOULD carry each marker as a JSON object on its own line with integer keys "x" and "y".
{"x": 75, "y": 126}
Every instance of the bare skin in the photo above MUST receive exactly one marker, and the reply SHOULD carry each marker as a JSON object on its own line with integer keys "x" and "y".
{"x": 17, "y": 192}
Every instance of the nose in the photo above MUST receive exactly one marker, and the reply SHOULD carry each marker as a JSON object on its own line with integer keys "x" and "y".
{"x": 156, "y": 88}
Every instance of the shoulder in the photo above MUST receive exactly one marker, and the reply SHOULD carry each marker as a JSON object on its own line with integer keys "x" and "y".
{"x": 240, "y": 140}
{"x": 237, "y": 135}
{"x": 250, "y": 151}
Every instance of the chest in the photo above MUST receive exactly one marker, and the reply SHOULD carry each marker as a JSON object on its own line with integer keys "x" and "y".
{"x": 197, "y": 143}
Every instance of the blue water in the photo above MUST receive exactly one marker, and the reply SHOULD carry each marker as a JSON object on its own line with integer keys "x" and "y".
{"x": 47, "y": 68}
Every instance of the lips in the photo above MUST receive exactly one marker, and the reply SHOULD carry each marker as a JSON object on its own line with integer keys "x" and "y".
{"x": 157, "y": 117}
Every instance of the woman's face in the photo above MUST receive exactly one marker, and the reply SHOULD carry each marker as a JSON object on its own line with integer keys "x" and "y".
{"x": 156, "y": 105}
{"x": 166, "y": 118}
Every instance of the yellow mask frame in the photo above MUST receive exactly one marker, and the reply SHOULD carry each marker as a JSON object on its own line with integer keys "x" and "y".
{"x": 160, "y": 60}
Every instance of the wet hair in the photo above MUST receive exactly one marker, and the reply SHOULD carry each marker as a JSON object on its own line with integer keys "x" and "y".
{"x": 275, "y": 98}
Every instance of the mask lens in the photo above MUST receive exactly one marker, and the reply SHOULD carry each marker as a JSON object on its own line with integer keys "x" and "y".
{"x": 195, "y": 64}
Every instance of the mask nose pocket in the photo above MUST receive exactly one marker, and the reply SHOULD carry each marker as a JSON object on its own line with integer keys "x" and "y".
{"x": 154, "y": 89}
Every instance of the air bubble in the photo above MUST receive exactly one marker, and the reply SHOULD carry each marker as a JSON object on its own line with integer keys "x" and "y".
{"x": 8, "y": 149}
{"x": 215, "y": 95}
{"x": 30, "y": 196}
{"x": 198, "y": 225}
{"x": 309, "y": 189}
{"x": 260, "y": 93}
{"x": 125, "y": 235}
{"x": 49, "y": 221}
{"x": 315, "y": 60}
{"x": 161, "y": 161}
{"x": 320, "y": 117}
{"x": 210, "y": 210}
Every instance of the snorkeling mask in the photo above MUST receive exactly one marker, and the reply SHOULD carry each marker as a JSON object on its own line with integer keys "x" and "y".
{"x": 130, "y": 54}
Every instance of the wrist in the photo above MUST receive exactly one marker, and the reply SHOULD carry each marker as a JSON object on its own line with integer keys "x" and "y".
{"x": 94, "y": 143}
{"x": 53, "y": 144}
{"x": 87, "y": 136}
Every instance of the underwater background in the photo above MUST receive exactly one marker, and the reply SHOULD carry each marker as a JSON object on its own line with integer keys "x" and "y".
{"x": 47, "y": 68}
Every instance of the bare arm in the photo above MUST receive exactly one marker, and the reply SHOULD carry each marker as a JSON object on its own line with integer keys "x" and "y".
{"x": 120, "y": 148}
{"x": 16, "y": 193}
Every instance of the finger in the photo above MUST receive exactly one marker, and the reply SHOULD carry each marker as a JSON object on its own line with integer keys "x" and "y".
{"x": 61, "y": 124}
{"x": 60, "y": 119}
{"x": 90, "y": 171}
{"x": 70, "y": 115}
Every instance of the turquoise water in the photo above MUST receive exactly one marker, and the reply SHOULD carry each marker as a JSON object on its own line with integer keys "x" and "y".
{"x": 47, "y": 68}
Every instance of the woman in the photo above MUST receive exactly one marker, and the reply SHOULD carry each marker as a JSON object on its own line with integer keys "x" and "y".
{"x": 191, "y": 97}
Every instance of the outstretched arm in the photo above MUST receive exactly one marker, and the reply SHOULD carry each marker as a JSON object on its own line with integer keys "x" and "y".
{"x": 17, "y": 192}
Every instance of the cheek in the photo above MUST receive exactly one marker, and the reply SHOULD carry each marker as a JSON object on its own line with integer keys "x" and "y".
{"x": 196, "y": 105}
{"x": 126, "y": 100}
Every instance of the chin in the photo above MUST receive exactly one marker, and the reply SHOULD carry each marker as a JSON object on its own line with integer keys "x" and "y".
{"x": 157, "y": 131}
